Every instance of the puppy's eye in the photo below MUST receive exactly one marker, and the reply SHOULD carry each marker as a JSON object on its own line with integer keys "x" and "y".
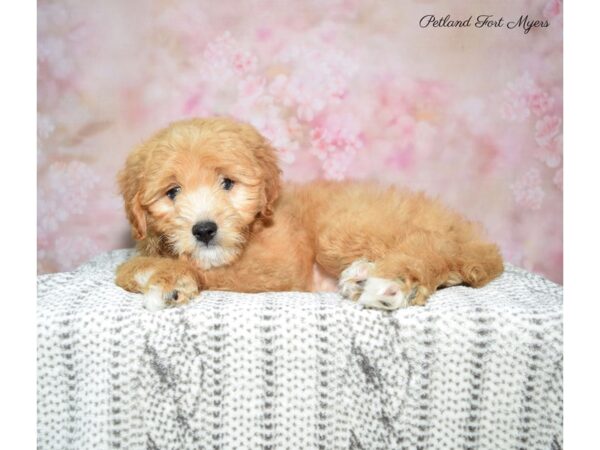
{"x": 172, "y": 193}
{"x": 227, "y": 183}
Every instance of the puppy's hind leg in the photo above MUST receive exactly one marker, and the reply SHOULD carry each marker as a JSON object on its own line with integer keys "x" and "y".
{"x": 410, "y": 274}
{"x": 396, "y": 281}
{"x": 404, "y": 276}
{"x": 359, "y": 282}
{"x": 479, "y": 262}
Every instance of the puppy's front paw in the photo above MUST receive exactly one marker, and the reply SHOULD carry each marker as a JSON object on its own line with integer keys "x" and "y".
{"x": 352, "y": 279}
{"x": 381, "y": 293}
{"x": 157, "y": 297}
{"x": 162, "y": 290}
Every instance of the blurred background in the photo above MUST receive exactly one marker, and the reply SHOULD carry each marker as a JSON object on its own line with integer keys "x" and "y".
{"x": 343, "y": 88}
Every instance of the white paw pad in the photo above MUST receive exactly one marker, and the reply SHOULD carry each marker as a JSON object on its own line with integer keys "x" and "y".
{"x": 353, "y": 278}
{"x": 381, "y": 293}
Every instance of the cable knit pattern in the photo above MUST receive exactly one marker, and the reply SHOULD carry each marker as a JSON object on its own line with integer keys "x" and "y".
{"x": 474, "y": 369}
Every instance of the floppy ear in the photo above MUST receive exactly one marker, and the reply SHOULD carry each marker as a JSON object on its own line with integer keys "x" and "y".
{"x": 130, "y": 183}
{"x": 271, "y": 175}
{"x": 137, "y": 217}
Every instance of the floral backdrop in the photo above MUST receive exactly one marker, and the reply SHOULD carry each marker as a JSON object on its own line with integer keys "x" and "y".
{"x": 343, "y": 88}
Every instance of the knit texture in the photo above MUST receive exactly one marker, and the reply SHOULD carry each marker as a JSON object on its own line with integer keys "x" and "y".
{"x": 473, "y": 369}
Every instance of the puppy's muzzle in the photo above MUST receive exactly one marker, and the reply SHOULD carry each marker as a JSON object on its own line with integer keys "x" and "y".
{"x": 205, "y": 231}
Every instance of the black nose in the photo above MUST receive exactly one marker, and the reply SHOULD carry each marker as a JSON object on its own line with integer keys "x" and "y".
{"x": 205, "y": 231}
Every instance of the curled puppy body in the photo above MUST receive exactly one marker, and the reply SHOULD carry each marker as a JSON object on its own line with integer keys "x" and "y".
{"x": 208, "y": 210}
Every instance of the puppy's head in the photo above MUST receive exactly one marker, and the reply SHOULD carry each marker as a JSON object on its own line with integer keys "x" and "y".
{"x": 197, "y": 187}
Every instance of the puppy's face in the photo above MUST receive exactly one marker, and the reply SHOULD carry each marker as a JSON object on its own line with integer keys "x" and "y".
{"x": 196, "y": 188}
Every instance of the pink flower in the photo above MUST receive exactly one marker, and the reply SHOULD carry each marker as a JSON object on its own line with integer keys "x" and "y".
{"x": 224, "y": 57}
{"x": 514, "y": 109}
{"x": 540, "y": 102}
{"x": 552, "y": 9}
{"x": 524, "y": 96}
{"x": 335, "y": 141}
{"x": 527, "y": 191}
{"x": 281, "y": 134}
{"x": 546, "y": 129}
{"x": 317, "y": 76}
{"x": 551, "y": 154}
{"x": 244, "y": 62}
{"x": 515, "y": 105}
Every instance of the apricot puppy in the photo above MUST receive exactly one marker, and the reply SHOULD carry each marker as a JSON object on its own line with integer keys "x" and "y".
{"x": 206, "y": 205}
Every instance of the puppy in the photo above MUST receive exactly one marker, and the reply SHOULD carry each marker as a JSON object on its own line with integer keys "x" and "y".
{"x": 206, "y": 205}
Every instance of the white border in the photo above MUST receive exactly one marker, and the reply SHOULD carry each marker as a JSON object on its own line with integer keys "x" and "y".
{"x": 582, "y": 225}
{"x": 18, "y": 225}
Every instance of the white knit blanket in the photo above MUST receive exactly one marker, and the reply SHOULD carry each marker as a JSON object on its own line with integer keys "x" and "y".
{"x": 475, "y": 368}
